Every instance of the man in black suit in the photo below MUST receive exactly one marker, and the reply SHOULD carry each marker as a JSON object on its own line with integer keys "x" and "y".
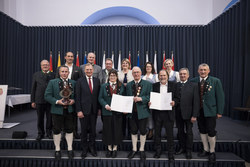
{"x": 105, "y": 72}
{"x": 39, "y": 83}
{"x": 87, "y": 91}
{"x": 187, "y": 110}
{"x": 164, "y": 118}
{"x": 74, "y": 73}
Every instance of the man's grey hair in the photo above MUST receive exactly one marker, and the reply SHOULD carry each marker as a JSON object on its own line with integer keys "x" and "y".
{"x": 204, "y": 65}
{"x": 91, "y": 53}
{"x": 184, "y": 69}
{"x": 63, "y": 66}
{"x": 108, "y": 59}
{"x": 44, "y": 61}
{"x": 135, "y": 68}
{"x": 88, "y": 64}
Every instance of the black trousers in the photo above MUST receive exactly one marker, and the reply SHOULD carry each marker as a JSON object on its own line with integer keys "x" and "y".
{"x": 185, "y": 132}
{"x": 206, "y": 125}
{"x": 88, "y": 122}
{"x": 75, "y": 122}
{"x": 112, "y": 129}
{"x": 138, "y": 124}
{"x": 43, "y": 110}
{"x": 62, "y": 122}
{"x": 161, "y": 119}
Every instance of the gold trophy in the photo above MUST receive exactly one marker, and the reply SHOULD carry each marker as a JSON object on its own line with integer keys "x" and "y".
{"x": 65, "y": 93}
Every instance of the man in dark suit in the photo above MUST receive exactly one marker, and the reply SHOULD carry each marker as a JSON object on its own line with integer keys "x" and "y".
{"x": 97, "y": 72}
{"x": 164, "y": 118}
{"x": 61, "y": 109}
{"x": 140, "y": 89}
{"x": 187, "y": 110}
{"x": 105, "y": 72}
{"x": 212, "y": 102}
{"x": 87, "y": 91}
{"x": 74, "y": 73}
{"x": 39, "y": 83}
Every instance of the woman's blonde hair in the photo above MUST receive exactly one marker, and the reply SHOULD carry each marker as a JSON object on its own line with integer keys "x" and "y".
{"x": 126, "y": 60}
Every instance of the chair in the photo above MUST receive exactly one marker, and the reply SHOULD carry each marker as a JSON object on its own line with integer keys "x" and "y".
{"x": 245, "y": 109}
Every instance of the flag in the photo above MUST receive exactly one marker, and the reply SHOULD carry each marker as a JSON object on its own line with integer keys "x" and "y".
{"x": 164, "y": 58}
{"x": 77, "y": 60}
{"x": 85, "y": 58}
{"x": 103, "y": 60}
{"x": 119, "y": 62}
{"x": 155, "y": 63}
{"x": 113, "y": 66}
{"x": 172, "y": 57}
{"x": 147, "y": 57}
{"x": 58, "y": 60}
{"x": 50, "y": 62}
{"x": 129, "y": 58}
{"x": 138, "y": 59}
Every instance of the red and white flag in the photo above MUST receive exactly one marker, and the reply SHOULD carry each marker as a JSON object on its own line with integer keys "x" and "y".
{"x": 164, "y": 58}
{"x": 77, "y": 60}
{"x": 50, "y": 62}
{"x": 172, "y": 57}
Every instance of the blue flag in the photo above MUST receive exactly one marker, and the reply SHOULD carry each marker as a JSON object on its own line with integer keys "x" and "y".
{"x": 138, "y": 60}
{"x": 85, "y": 58}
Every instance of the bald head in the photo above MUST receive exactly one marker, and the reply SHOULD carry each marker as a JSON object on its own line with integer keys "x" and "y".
{"x": 91, "y": 58}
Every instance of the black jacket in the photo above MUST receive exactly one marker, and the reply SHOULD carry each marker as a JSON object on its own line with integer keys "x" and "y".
{"x": 39, "y": 85}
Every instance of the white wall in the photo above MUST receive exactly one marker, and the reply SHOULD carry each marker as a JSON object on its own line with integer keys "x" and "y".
{"x": 74, "y": 12}
{"x": 219, "y": 6}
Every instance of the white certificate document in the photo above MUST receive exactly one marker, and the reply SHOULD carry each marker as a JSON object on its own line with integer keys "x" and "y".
{"x": 160, "y": 101}
{"x": 122, "y": 103}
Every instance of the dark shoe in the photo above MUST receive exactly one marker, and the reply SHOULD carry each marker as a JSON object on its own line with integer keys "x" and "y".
{"x": 150, "y": 134}
{"x": 171, "y": 158}
{"x": 131, "y": 154}
{"x": 180, "y": 151}
{"x": 109, "y": 154}
{"x": 114, "y": 154}
{"x": 58, "y": 155}
{"x": 84, "y": 154}
{"x": 203, "y": 154}
{"x": 188, "y": 155}
{"x": 157, "y": 154}
{"x": 71, "y": 154}
{"x": 39, "y": 137}
{"x": 76, "y": 136}
{"x": 142, "y": 155}
{"x": 212, "y": 158}
{"x": 93, "y": 151}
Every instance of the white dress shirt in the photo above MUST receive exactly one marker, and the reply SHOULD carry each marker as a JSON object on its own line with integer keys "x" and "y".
{"x": 163, "y": 88}
{"x": 70, "y": 70}
{"x": 91, "y": 79}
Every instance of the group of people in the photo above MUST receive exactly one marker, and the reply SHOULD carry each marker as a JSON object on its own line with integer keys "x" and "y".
{"x": 91, "y": 90}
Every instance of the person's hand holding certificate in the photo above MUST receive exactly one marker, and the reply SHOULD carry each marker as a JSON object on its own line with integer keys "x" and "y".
{"x": 122, "y": 103}
{"x": 159, "y": 101}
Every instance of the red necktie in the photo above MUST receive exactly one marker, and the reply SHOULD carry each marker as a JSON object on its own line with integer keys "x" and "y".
{"x": 90, "y": 85}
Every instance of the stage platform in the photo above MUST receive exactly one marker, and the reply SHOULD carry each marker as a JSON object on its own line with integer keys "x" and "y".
{"x": 44, "y": 158}
{"x": 232, "y": 148}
